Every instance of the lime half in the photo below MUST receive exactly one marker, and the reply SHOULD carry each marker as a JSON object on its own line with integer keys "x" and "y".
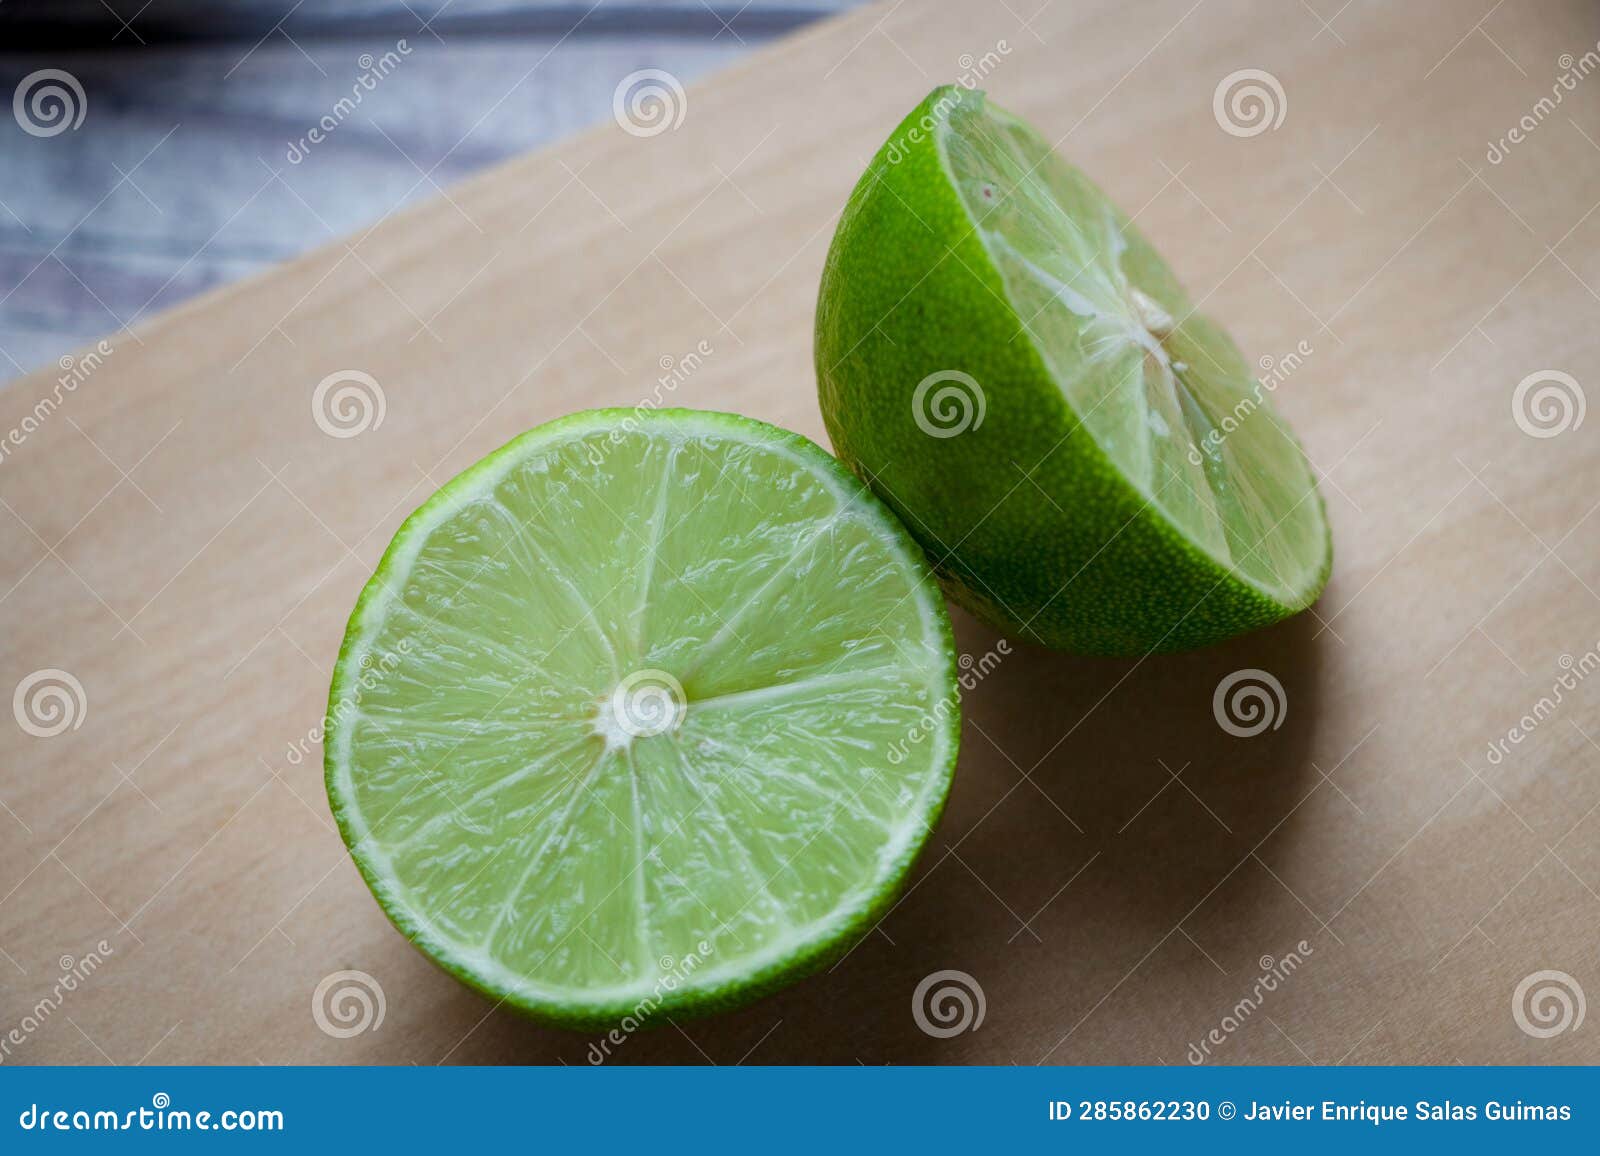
{"x": 645, "y": 713}
{"x": 1088, "y": 460}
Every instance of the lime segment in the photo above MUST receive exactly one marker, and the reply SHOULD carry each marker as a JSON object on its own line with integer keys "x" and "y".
{"x": 1015, "y": 371}
{"x": 625, "y": 715}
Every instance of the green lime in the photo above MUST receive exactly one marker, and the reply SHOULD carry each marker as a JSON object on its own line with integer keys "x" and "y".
{"x": 1013, "y": 368}
{"x": 645, "y": 713}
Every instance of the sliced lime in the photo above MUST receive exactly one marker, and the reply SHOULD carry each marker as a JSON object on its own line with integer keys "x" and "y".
{"x": 1106, "y": 474}
{"x": 644, "y": 711}
{"x": 1154, "y": 383}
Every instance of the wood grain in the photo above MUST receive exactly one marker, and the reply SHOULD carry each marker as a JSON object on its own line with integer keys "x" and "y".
{"x": 1113, "y": 867}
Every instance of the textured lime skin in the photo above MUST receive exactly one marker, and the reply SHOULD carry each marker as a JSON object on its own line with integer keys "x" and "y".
{"x": 690, "y": 998}
{"x": 1027, "y": 521}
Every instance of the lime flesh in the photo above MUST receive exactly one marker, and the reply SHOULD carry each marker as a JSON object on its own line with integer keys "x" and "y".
{"x": 1152, "y": 381}
{"x": 643, "y": 712}
{"x": 1105, "y": 474}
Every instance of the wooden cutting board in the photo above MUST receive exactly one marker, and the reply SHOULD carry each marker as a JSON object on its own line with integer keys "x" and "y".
{"x": 1115, "y": 871}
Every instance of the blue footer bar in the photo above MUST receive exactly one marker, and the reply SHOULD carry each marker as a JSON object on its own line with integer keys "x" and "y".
{"x": 703, "y": 1110}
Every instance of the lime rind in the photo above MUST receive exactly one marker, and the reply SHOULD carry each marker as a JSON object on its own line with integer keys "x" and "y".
{"x": 733, "y": 976}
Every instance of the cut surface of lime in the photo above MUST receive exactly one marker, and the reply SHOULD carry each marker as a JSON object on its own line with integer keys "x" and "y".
{"x": 1088, "y": 460}
{"x": 646, "y": 710}
{"x": 1153, "y": 382}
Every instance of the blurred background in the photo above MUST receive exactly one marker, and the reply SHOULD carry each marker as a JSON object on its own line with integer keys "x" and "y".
{"x": 192, "y": 163}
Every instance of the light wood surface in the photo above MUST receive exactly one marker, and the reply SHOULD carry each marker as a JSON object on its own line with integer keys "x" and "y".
{"x": 1113, "y": 866}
